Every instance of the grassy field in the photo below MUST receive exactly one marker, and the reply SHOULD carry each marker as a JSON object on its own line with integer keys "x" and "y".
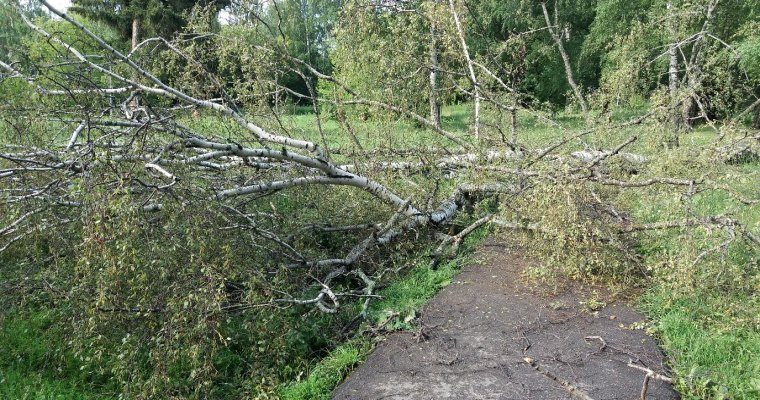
{"x": 706, "y": 314}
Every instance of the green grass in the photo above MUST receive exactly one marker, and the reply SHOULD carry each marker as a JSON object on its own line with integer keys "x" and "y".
{"x": 408, "y": 294}
{"x": 706, "y": 314}
{"x": 26, "y": 353}
{"x": 329, "y": 372}
{"x": 712, "y": 342}
{"x": 24, "y": 384}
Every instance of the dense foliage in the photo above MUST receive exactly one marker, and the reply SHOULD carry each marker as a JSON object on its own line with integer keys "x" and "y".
{"x": 149, "y": 17}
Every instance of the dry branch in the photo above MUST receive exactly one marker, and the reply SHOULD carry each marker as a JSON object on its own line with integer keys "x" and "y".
{"x": 457, "y": 239}
{"x": 574, "y": 391}
{"x": 649, "y": 375}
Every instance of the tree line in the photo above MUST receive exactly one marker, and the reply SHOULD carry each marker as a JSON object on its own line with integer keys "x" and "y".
{"x": 703, "y": 55}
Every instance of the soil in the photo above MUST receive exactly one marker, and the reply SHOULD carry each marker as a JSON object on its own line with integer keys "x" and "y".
{"x": 474, "y": 336}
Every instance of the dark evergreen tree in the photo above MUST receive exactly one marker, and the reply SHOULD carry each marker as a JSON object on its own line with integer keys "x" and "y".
{"x": 136, "y": 19}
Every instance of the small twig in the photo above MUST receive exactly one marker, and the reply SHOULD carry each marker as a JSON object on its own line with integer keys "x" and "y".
{"x": 736, "y": 195}
{"x": 163, "y": 172}
{"x": 614, "y": 151}
{"x": 717, "y": 220}
{"x": 75, "y": 135}
{"x": 573, "y": 390}
{"x": 527, "y": 341}
{"x": 12, "y": 226}
{"x": 388, "y": 319}
{"x": 648, "y": 182}
{"x": 650, "y": 375}
{"x": 720, "y": 247}
{"x": 367, "y": 290}
{"x": 610, "y": 208}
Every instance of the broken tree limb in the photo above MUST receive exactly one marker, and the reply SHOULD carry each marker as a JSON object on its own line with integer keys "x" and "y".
{"x": 647, "y": 182}
{"x": 591, "y": 156}
{"x": 457, "y": 239}
{"x": 718, "y": 220}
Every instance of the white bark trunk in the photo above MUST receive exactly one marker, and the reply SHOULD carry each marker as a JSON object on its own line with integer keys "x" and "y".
{"x": 675, "y": 118}
{"x": 473, "y": 78}
{"x": 135, "y": 32}
{"x": 566, "y": 61}
{"x": 435, "y": 106}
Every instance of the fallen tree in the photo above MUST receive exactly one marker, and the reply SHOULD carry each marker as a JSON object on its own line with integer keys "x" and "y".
{"x": 159, "y": 152}
{"x": 154, "y": 207}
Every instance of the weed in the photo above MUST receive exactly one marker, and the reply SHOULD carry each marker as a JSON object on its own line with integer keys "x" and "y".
{"x": 593, "y": 303}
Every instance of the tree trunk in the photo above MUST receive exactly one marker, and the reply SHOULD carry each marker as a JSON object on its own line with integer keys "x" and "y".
{"x": 516, "y": 82}
{"x": 435, "y": 106}
{"x": 134, "y": 104}
{"x": 471, "y": 69}
{"x": 694, "y": 72}
{"x": 135, "y": 32}
{"x": 676, "y": 120}
{"x": 565, "y": 60}
{"x": 689, "y": 105}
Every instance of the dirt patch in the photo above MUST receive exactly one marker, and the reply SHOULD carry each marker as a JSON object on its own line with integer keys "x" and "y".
{"x": 475, "y": 334}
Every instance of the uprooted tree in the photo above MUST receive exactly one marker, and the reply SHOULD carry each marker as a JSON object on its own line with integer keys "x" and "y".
{"x": 128, "y": 212}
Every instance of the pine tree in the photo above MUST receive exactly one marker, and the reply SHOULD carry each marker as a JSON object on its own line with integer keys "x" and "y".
{"x": 137, "y": 19}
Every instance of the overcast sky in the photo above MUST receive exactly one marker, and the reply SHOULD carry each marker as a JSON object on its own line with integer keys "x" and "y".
{"x": 62, "y": 5}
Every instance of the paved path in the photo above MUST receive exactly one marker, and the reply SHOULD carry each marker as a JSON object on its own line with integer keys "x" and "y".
{"x": 476, "y": 333}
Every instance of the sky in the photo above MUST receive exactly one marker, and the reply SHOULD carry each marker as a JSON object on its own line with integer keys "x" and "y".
{"x": 61, "y": 5}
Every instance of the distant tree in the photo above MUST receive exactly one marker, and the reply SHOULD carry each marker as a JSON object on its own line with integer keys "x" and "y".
{"x": 303, "y": 28}
{"x": 136, "y": 19}
{"x": 12, "y": 30}
{"x": 514, "y": 36}
{"x": 612, "y": 18}
{"x": 300, "y": 29}
{"x": 704, "y": 56}
{"x": 749, "y": 61}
